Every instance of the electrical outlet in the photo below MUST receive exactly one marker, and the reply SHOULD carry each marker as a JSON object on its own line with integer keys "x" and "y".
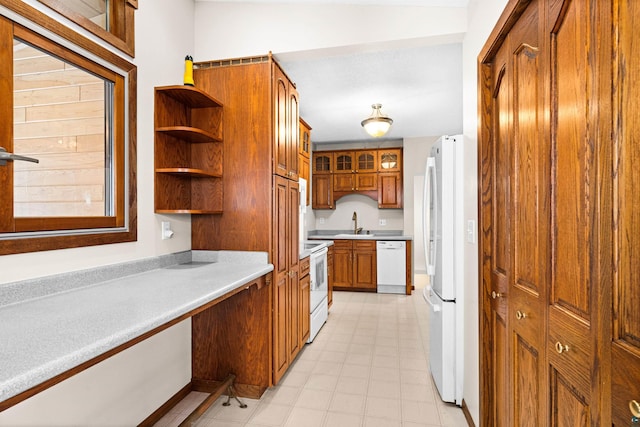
{"x": 382, "y": 222}
{"x": 166, "y": 231}
{"x": 321, "y": 220}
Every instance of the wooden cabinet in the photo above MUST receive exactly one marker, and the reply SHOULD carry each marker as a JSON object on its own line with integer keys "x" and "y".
{"x": 322, "y": 162}
{"x": 390, "y": 190}
{"x": 305, "y": 139}
{"x": 559, "y": 176}
{"x": 355, "y": 265}
{"x": 305, "y": 302}
{"x": 330, "y": 273}
{"x": 357, "y": 172}
{"x": 286, "y": 129}
{"x": 188, "y": 151}
{"x": 390, "y": 160}
{"x": 304, "y": 162}
{"x": 286, "y": 279}
{"x": 322, "y": 190}
{"x": 260, "y": 185}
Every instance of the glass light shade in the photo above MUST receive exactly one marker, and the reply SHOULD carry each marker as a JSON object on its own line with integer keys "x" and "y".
{"x": 376, "y": 125}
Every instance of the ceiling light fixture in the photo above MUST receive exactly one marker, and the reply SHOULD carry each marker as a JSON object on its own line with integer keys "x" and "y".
{"x": 376, "y": 125}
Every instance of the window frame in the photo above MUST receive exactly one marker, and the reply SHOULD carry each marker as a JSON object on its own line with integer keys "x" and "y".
{"x": 121, "y": 22}
{"x": 71, "y": 232}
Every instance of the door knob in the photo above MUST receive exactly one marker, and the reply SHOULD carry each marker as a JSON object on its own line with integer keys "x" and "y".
{"x": 495, "y": 294}
{"x": 520, "y": 315}
{"x": 634, "y": 406}
{"x": 560, "y": 348}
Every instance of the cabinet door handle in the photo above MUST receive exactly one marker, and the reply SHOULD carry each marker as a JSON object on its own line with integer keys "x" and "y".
{"x": 520, "y": 315}
{"x": 634, "y": 406}
{"x": 495, "y": 295}
{"x": 560, "y": 348}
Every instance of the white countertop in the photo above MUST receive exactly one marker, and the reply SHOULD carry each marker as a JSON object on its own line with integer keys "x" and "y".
{"x": 47, "y": 336}
{"x": 364, "y": 236}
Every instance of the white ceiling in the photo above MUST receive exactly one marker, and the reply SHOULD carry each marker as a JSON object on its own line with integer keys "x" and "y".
{"x": 418, "y": 82}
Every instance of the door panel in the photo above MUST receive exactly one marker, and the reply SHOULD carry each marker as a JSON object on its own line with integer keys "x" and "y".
{"x": 568, "y": 406}
{"x": 280, "y": 123}
{"x": 500, "y": 239}
{"x": 625, "y": 358}
{"x": 574, "y": 190}
{"x": 529, "y": 216}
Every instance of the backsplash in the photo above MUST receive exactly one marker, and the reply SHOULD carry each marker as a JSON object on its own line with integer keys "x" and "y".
{"x": 369, "y": 215}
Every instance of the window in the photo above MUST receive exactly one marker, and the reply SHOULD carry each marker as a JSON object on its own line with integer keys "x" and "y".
{"x": 111, "y": 20}
{"x": 73, "y": 109}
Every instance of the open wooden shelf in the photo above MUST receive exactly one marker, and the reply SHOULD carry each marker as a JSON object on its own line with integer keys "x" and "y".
{"x": 188, "y": 151}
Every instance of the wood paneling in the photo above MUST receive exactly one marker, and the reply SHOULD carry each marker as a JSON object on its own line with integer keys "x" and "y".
{"x": 240, "y": 326}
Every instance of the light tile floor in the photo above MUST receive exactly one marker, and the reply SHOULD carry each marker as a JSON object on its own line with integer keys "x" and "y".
{"x": 368, "y": 367}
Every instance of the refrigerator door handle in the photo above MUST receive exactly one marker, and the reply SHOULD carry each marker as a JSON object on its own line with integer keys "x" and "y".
{"x": 430, "y": 206}
{"x": 426, "y": 294}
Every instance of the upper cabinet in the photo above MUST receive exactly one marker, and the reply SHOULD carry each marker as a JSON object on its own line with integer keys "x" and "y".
{"x": 390, "y": 160}
{"x": 323, "y": 162}
{"x": 188, "y": 151}
{"x": 304, "y": 152}
{"x": 286, "y": 116}
{"x": 373, "y": 173}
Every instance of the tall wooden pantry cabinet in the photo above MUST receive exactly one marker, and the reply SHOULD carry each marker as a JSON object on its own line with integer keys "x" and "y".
{"x": 559, "y": 163}
{"x": 261, "y": 196}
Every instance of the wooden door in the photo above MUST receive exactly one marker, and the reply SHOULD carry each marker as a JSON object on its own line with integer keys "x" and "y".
{"x": 280, "y": 277}
{"x": 625, "y": 346}
{"x": 495, "y": 241}
{"x": 322, "y": 189}
{"x": 304, "y": 313}
{"x": 344, "y": 162}
{"x": 293, "y": 132}
{"x": 366, "y": 182}
{"x": 390, "y": 190}
{"x": 322, "y": 162}
{"x": 366, "y": 161}
{"x": 344, "y": 182}
{"x": 573, "y": 294}
{"x": 293, "y": 259}
{"x": 364, "y": 265}
{"x": 343, "y": 264}
{"x": 529, "y": 155}
{"x": 281, "y": 137}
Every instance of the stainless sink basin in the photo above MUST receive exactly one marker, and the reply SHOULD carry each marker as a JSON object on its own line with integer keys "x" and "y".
{"x": 353, "y": 236}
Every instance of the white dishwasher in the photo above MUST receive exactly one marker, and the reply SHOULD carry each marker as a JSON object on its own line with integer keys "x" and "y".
{"x": 391, "y": 266}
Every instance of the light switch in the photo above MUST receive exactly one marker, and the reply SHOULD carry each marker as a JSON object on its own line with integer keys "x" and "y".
{"x": 471, "y": 231}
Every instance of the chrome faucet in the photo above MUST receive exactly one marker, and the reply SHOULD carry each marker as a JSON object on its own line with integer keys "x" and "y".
{"x": 356, "y": 230}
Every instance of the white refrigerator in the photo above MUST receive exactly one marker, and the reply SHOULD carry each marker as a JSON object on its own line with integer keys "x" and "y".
{"x": 441, "y": 210}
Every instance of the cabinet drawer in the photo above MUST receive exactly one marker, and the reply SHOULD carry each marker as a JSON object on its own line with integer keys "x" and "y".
{"x": 304, "y": 267}
{"x": 575, "y": 362}
{"x": 342, "y": 244}
{"x": 364, "y": 245}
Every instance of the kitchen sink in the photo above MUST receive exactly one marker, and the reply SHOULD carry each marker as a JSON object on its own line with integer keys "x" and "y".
{"x": 353, "y": 236}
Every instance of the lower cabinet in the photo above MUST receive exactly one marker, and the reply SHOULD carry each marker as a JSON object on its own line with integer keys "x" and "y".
{"x": 304, "y": 302}
{"x": 330, "y": 276}
{"x": 355, "y": 265}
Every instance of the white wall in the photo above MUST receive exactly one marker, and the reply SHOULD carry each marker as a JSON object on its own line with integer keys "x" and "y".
{"x": 483, "y": 15}
{"x": 160, "y": 60}
{"x": 164, "y": 35}
{"x": 234, "y": 30}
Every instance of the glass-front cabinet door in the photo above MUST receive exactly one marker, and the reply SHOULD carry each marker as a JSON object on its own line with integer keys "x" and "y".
{"x": 344, "y": 162}
{"x": 322, "y": 162}
{"x": 366, "y": 161}
{"x": 390, "y": 160}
